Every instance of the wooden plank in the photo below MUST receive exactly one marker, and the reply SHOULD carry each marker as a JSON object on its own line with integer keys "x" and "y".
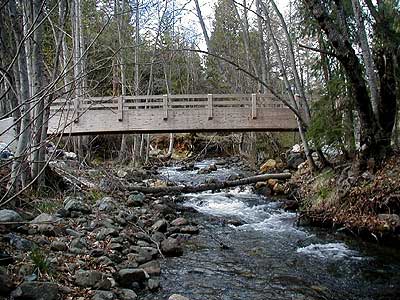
{"x": 254, "y": 106}
{"x": 210, "y": 106}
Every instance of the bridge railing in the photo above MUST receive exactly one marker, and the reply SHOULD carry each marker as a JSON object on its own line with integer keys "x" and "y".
{"x": 208, "y": 102}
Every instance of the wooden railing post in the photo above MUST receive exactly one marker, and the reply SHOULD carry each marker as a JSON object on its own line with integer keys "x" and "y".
{"x": 76, "y": 109}
{"x": 210, "y": 106}
{"x": 254, "y": 106}
{"x": 120, "y": 108}
{"x": 165, "y": 106}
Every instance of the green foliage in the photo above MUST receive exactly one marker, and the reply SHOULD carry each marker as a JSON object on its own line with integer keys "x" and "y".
{"x": 40, "y": 261}
{"x": 95, "y": 195}
{"x": 48, "y": 206}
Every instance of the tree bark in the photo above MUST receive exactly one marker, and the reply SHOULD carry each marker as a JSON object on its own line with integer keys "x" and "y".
{"x": 208, "y": 187}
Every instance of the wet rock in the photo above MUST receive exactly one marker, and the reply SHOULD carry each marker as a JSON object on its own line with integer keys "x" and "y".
{"x": 268, "y": 166}
{"x": 19, "y": 242}
{"x": 278, "y": 189}
{"x": 290, "y": 205}
{"x": 73, "y": 233}
{"x": 36, "y": 291}
{"x": 76, "y": 205}
{"x": 103, "y": 295}
{"x": 179, "y": 222}
{"x": 58, "y": 246}
{"x": 189, "y": 229}
{"x": 136, "y": 199}
{"x": 153, "y": 284}
{"x": 152, "y": 268}
{"x": 8, "y": 215}
{"x": 212, "y": 167}
{"x": 271, "y": 182}
{"x": 79, "y": 243}
{"x": 93, "y": 279}
{"x": 126, "y": 277}
{"x": 158, "y": 237}
{"x": 127, "y": 294}
{"x": 264, "y": 191}
{"x": 177, "y": 297}
{"x": 171, "y": 247}
{"x": 160, "y": 225}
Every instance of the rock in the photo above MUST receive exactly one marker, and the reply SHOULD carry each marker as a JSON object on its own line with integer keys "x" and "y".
{"x": 8, "y": 215}
{"x": 260, "y": 185}
{"x": 98, "y": 252}
{"x": 73, "y": 233}
{"x": 189, "y": 229}
{"x": 70, "y": 155}
{"x": 45, "y": 218}
{"x": 79, "y": 243}
{"x": 36, "y": 291}
{"x": 152, "y": 268}
{"x": 278, "y": 189}
{"x": 122, "y": 173}
{"x": 103, "y": 295}
{"x": 106, "y": 204}
{"x": 93, "y": 279}
{"x": 271, "y": 182}
{"x": 204, "y": 171}
{"x": 5, "y": 259}
{"x": 58, "y": 246}
{"x": 390, "y": 220}
{"x": 171, "y": 247}
{"x": 212, "y": 167}
{"x": 126, "y": 277}
{"x": 127, "y": 294}
{"x": 264, "y": 191}
{"x": 153, "y": 284}
{"x": 294, "y": 160}
{"x": 73, "y": 204}
{"x": 136, "y": 199}
{"x": 19, "y": 242}
{"x": 179, "y": 222}
{"x": 158, "y": 236}
{"x": 104, "y": 232}
{"x": 269, "y": 165}
{"x": 6, "y": 284}
{"x": 160, "y": 225}
{"x": 177, "y": 297}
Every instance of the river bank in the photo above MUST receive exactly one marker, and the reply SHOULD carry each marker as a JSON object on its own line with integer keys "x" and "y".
{"x": 365, "y": 205}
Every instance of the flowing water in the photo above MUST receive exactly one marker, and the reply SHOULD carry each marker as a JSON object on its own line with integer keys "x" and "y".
{"x": 268, "y": 256}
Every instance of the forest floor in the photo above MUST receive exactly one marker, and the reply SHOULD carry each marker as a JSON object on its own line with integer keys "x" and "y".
{"x": 366, "y": 205}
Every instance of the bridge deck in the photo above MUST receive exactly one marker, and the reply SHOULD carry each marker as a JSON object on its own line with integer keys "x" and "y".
{"x": 170, "y": 113}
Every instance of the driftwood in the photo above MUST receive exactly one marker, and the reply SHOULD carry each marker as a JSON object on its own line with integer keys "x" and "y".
{"x": 208, "y": 186}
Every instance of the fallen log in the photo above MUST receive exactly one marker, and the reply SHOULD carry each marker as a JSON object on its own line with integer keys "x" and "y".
{"x": 208, "y": 186}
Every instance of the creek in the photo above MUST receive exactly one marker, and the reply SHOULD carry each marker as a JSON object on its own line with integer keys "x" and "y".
{"x": 267, "y": 256}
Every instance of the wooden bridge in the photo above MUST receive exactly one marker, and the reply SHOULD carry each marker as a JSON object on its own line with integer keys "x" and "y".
{"x": 170, "y": 113}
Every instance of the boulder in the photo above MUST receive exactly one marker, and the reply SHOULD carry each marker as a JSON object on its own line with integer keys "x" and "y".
{"x": 294, "y": 160}
{"x": 153, "y": 284}
{"x": 36, "y": 291}
{"x": 179, "y": 222}
{"x": 58, "y": 246}
{"x": 20, "y": 243}
{"x": 189, "y": 229}
{"x": 8, "y": 215}
{"x": 127, "y": 294}
{"x": 105, "y": 232}
{"x": 76, "y": 205}
{"x": 264, "y": 191}
{"x": 269, "y": 165}
{"x": 171, "y": 247}
{"x": 136, "y": 199}
{"x": 93, "y": 279}
{"x": 126, "y": 277}
{"x": 103, "y": 295}
{"x": 212, "y": 167}
{"x": 160, "y": 225}
{"x": 152, "y": 268}
{"x": 106, "y": 204}
{"x": 177, "y": 297}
